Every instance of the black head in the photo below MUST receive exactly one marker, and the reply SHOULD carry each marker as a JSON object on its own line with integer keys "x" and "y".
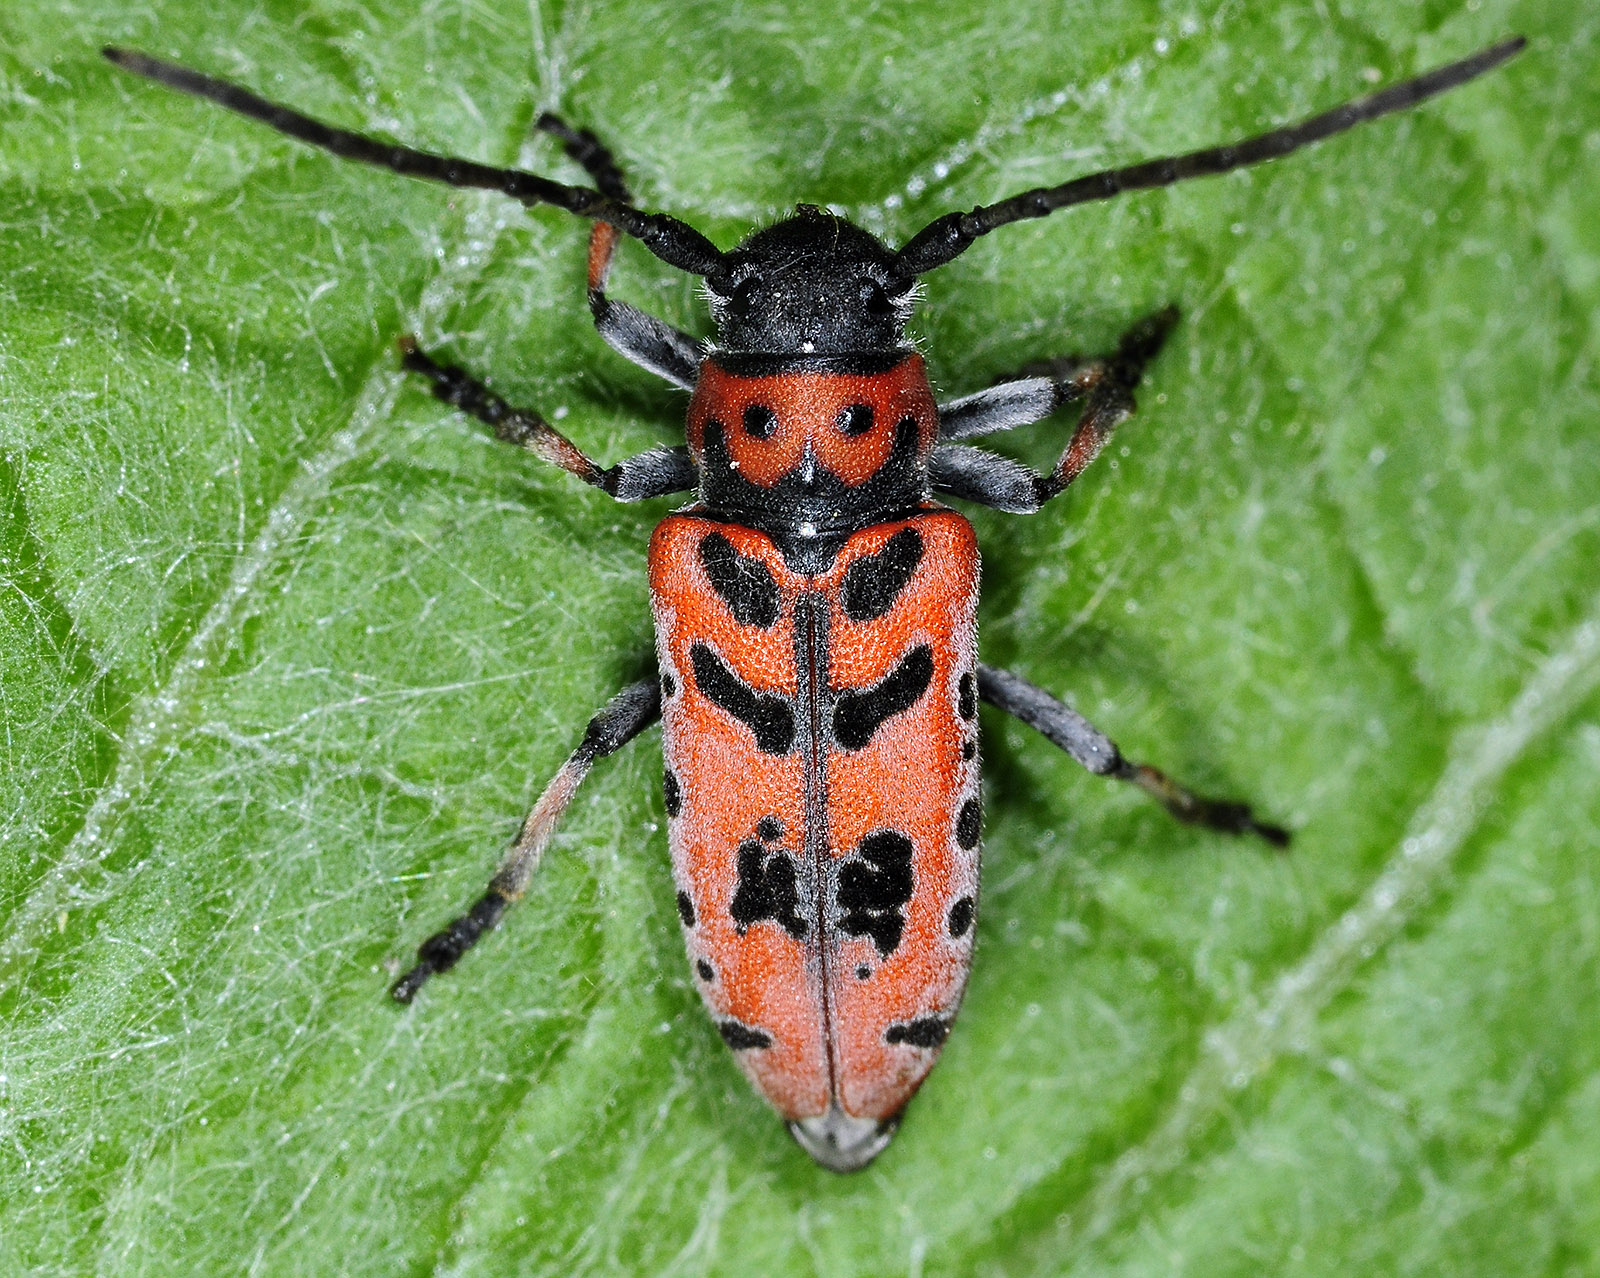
{"x": 812, "y": 284}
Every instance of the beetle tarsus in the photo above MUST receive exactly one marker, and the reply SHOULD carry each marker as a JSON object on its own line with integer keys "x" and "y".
{"x": 1226, "y": 816}
{"x": 443, "y": 950}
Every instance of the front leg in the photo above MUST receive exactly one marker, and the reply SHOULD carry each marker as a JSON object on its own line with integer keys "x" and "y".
{"x": 655, "y": 473}
{"x": 647, "y": 341}
{"x": 1105, "y": 385}
{"x": 1069, "y": 730}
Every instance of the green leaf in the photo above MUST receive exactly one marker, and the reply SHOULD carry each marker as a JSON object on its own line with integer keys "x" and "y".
{"x": 286, "y": 647}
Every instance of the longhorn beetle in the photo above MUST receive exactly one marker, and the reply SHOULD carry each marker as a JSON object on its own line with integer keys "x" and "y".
{"x": 815, "y": 606}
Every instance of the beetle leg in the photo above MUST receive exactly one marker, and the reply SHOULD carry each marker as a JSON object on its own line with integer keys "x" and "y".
{"x": 654, "y": 473}
{"x": 1105, "y": 385}
{"x": 645, "y": 340}
{"x": 1069, "y": 730}
{"x": 1014, "y": 402}
{"x": 989, "y": 479}
{"x": 623, "y": 718}
{"x": 1039, "y": 388}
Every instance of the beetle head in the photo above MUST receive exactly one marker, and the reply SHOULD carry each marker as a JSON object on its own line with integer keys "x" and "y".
{"x": 812, "y": 284}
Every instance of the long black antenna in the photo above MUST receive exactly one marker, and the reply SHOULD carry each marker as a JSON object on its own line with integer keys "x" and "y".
{"x": 952, "y": 234}
{"x": 674, "y": 242}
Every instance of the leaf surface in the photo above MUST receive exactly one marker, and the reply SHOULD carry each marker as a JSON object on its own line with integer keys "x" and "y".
{"x": 286, "y": 648}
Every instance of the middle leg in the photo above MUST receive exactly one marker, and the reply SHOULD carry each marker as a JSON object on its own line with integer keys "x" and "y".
{"x": 654, "y": 473}
{"x": 1106, "y": 386}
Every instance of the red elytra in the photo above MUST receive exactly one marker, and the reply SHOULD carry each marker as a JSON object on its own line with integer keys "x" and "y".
{"x": 827, "y": 887}
{"x": 815, "y": 609}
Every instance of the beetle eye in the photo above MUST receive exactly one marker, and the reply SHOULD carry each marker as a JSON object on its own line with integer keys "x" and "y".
{"x": 873, "y": 298}
{"x": 744, "y": 296}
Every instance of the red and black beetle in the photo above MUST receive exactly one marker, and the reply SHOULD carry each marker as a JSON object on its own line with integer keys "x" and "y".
{"x": 815, "y": 609}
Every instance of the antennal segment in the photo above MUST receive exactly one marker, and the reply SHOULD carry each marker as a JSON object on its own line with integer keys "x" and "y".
{"x": 950, "y": 236}
{"x": 674, "y": 242}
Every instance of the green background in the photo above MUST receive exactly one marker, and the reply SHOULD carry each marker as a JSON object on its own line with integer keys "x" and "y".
{"x": 286, "y": 648}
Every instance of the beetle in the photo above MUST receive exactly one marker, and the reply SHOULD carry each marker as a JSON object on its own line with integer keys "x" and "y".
{"x": 815, "y": 606}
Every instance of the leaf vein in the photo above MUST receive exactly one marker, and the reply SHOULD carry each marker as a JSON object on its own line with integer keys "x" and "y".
{"x": 1242, "y": 1048}
{"x": 158, "y": 720}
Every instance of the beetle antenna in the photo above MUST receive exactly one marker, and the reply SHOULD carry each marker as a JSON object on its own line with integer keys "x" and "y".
{"x": 951, "y": 235}
{"x": 674, "y": 242}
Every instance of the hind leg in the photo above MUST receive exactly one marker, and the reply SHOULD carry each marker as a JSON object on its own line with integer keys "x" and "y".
{"x": 1069, "y": 730}
{"x": 623, "y": 718}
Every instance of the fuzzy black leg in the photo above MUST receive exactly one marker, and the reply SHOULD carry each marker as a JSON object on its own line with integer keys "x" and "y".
{"x": 1106, "y": 385}
{"x": 441, "y": 951}
{"x": 645, "y": 340}
{"x": 624, "y": 717}
{"x": 1069, "y": 730}
{"x": 592, "y": 154}
{"x": 655, "y": 473}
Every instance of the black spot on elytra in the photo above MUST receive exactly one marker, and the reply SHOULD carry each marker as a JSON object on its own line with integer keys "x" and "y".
{"x": 863, "y": 972}
{"x": 742, "y": 1037}
{"x": 874, "y": 582}
{"x": 769, "y": 828}
{"x": 854, "y": 420}
{"x": 744, "y": 584}
{"x": 768, "y": 889}
{"x": 969, "y": 750}
{"x": 925, "y": 1031}
{"x": 704, "y": 969}
{"x": 766, "y": 715}
{"x": 857, "y": 715}
{"x": 874, "y": 888}
{"x": 685, "y": 909}
{"x": 967, "y": 697}
{"x": 969, "y": 824}
{"x": 669, "y": 685}
{"x": 961, "y": 916}
{"x": 671, "y": 792}
{"x": 760, "y": 421}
